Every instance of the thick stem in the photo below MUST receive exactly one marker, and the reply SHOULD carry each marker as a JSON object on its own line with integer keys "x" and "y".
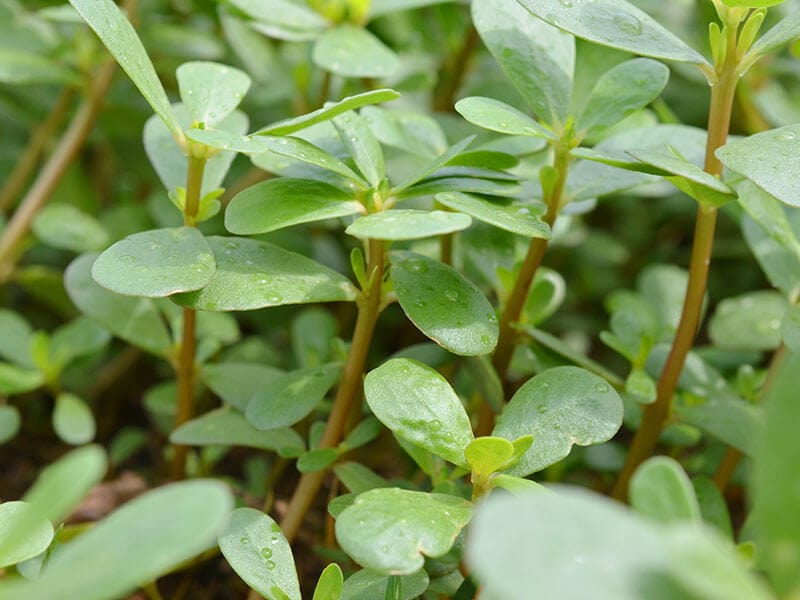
{"x": 30, "y": 156}
{"x": 54, "y": 170}
{"x": 186, "y": 375}
{"x": 349, "y": 389}
{"x": 185, "y": 369}
{"x": 655, "y": 415}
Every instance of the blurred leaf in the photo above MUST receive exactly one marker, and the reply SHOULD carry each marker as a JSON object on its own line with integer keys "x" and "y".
{"x": 227, "y": 427}
{"x": 661, "y": 490}
{"x": 236, "y": 383}
{"x": 65, "y": 227}
{"x": 36, "y": 539}
{"x": 352, "y": 51}
{"x": 751, "y": 321}
{"x": 10, "y": 422}
{"x": 73, "y": 420}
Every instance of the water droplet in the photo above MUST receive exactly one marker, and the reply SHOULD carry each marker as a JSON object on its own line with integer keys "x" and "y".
{"x": 503, "y": 124}
{"x": 601, "y": 388}
{"x": 266, "y": 552}
{"x": 451, "y": 295}
{"x": 127, "y": 258}
{"x": 141, "y": 269}
{"x": 628, "y": 23}
{"x": 416, "y": 266}
{"x": 231, "y": 245}
{"x": 274, "y": 298}
{"x": 155, "y": 247}
{"x": 270, "y": 565}
{"x": 556, "y": 426}
{"x": 384, "y": 549}
{"x": 436, "y": 425}
{"x": 244, "y": 540}
{"x": 565, "y": 3}
{"x": 786, "y": 136}
{"x": 542, "y": 408}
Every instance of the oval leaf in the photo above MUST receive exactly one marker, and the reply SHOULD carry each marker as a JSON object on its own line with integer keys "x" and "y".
{"x": 391, "y": 530}
{"x": 749, "y": 322}
{"x": 145, "y": 538}
{"x": 330, "y": 583}
{"x": 284, "y": 400}
{"x": 211, "y": 91}
{"x": 254, "y": 545}
{"x": 395, "y": 225}
{"x": 236, "y": 383}
{"x": 352, "y": 51}
{"x": 536, "y": 57}
{"x": 65, "y": 226}
{"x": 36, "y": 540}
{"x": 418, "y": 405}
{"x": 226, "y": 427}
{"x": 10, "y": 422}
{"x": 559, "y": 407}
{"x": 614, "y": 23}
{"x": 498, "y": 116}
{"x": 252, "y": 274}
{"x": 73, "y": 419}
{"x": 443, "y": 305}
{"x": 661, "y": 489}
{"x": 156, "y": 263}
{"x": 283, "y": 202}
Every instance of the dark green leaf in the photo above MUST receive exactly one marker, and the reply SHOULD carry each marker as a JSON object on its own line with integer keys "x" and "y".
{"x": 395, "y": 225}
{"x": 522, "y": 219}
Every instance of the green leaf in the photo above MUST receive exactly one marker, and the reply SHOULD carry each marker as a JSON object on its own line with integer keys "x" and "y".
{"x": 438, "y": 163}
{"x": 362, "y": 434}
{"x": 430, "y": 187}
{"x": 15, "y": 338}
{"x": 414, "y": 132}
{"x": 299, "y": 149}
{"x": 17, "y": 380}
{"x": 516, "y": 485}
{"x": 784, "y": 32}
{"x": 661, "y": 490}
{"x": 283, "y": 202}
{"x": 352, "y": 51}
{"x": 156, "y": 263}
{"x": 65, "y": 227}
{"x": 770, "y": 159}
{"x": 418, "y": 405}
{"x": 357, "y": 478}
{"x": 751, "y": 3}
{"x": 73, "y": 420}
{"x": 776, "y": 482}
{"x": 390, "y": 530}
{"x": 790, "y": 328}
{"x": 368, "y": 584}
{"x": 211, "y": 91}
{"x": 20, "y": 67}
{"x": 485, "y": 455}
{"x": 169, "y": 159}
{"x": 79, "y": 337}
{"x": 713, "y": 505}
{"x": 686, "y": 176}
{"x": 750, "y": 321}
{"x": 641, "y": 79}
{"x": 236, "y": 383}
{"x": 36, "y": 540}
{"x": 317, "y": 460}
{"x": 313, "y": 337}
{"x": 408, "y": 224}
{"x": 522, "y": 219}
{"x": 119, "y": 37}
{"x": 498, "y": 116}
{"x": 604, "y": 552}
{"x": 284, "y": 400}
{"x": 362, "y": 145}
{"x": 252, "y": 274}
{"x": 330, "y": 583}
{"x": 135, "y": 320}
{"x": 329, "y": 111}
{"x": 443, "y": 305}
{"x": 56, "y": 492}
{"x": 559, "y": 407}
{"x": 145, "y": 538}
{"x": 614, "y": 23}
{"x": 537, "y": 58}
{"x": 226, "y": 427}
{"x": 10, "y": 422}
{"x": 283, "y": 19}
{"x": 254, "y": 545}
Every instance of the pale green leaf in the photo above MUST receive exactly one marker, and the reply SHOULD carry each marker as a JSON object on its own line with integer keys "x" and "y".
{"x": 661, "y": 489}
{"x": 211, "y": 91}
{"x": 156, "y": 263}
{"x": 352, "y": 51}
{"x": 522, "y": 219}
{"x": 495, "y": 115}
{"x": 36, "y": 539}
{"x": 418, "y": 405}
{"x": 73, "y": 420}
{"x": 751, "y": 321}
{"x": 227, "y": 427}
{"x": 408, "y": 224}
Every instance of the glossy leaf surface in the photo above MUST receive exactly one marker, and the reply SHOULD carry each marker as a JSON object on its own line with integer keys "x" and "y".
{"x": 522, "y": 219}
{"x": 498, "y": 116}
{"x": 254, "y": 545}
{"x": 559, "y": 407}
{"x": 396, "y": 225}
{"x": 391, "y": 530}
{"x": 443, "y": 305}
{"x": 252, "y": 274}
{"x": 418, "y": 405}
{"x": 211, "y": 91}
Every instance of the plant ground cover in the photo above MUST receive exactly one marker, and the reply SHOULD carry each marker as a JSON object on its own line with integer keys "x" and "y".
{"x": 352, "y": 300}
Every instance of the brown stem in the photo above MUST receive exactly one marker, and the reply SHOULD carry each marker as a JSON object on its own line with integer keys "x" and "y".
{"x": 186, "y": 376}
{"x": 349, "y": 389}
{"x": 655, "y": 415}
{"x": 30, "y": 156}
{"x": 55, "y": 168}
{"x": 733, "y": 456}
